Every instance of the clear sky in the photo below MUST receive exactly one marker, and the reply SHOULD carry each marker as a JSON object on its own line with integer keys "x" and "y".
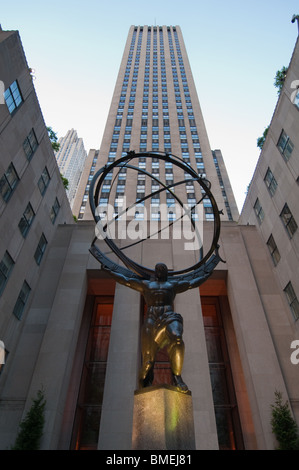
{"x": 234, "y": 47}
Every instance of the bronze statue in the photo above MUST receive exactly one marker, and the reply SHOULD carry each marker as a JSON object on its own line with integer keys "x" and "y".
{"x": 162, "y": 327}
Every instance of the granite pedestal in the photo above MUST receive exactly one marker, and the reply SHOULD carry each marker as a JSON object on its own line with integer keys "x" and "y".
{"x": 163, "y": 419}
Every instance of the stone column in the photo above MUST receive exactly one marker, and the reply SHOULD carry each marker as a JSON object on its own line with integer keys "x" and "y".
{"x": 121, "y": 375}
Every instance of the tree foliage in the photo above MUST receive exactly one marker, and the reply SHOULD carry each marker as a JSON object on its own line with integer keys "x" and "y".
{"x": 280, "y": 78}
{"x": 284, "y": 427}
{"x": 31, "y": 428}
{"x": 65, "y": 181}
{"x": 261, "y": 140}
{"x": 53, "y": 139}
{"x": 278, "y": 83}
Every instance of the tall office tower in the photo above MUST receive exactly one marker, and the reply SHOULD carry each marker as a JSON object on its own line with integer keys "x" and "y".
{"x": 155, "y": 108}
{"x": 71, "y": 158}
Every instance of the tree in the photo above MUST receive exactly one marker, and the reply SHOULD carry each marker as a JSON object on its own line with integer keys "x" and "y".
{"x": 284, "y": 427}
{"x": 261, "y": 140}
{"x": 278, "y": 83}
{"x": 31, "y": 428}
{"x": 53, "y": 139}
{"x": 65, "y": 181}
{"x": 280, "y": 78}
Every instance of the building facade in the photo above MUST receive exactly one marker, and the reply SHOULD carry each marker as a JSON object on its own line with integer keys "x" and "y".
{"x": 71, "y": 158}
{"x": 272, "y": 200}
{"x": 32, "y": 200}
{"x": 80, "y": 338}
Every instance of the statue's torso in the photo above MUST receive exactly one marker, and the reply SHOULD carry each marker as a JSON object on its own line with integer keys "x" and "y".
{"x": 159, "y": 294}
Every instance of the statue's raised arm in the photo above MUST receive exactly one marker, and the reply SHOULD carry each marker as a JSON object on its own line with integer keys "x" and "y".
{"x": 198, "y": 276}
{"x": 133, "y": 283}
{"x": 120, "y": 274}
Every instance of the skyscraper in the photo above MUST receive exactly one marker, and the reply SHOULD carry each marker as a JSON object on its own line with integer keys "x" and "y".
{"x": 155, "y": 107}
{"x": 71, "y": 158}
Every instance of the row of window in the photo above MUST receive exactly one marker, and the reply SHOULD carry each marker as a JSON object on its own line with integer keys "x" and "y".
{"x": 9, "y": 180}
{"x": 291, "y": 227}
{"x": 285, "y": 146}
{"x": 286, "y": 217}
{"x": 86, "y": 192}
{"x": 24, "y": 225}
{"x": 7, "y": 263}
{"x": 8, "y": 184}
{"x": 226, "y": 203}
{"x": 6, "y": 267}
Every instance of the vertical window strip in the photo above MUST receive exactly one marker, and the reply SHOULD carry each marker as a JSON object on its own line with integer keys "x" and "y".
{"x": 6, "y": 266}
{"x": 21, "y": 300}
{"x": 13, "y": 97}
{"x": 292, "y": 300}
{"x": 274, "y": 252}
{"x": 8, "y": 182}
{"x": 288, "y": 220}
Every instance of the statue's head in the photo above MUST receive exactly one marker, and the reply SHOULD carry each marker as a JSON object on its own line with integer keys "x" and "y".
{"x": 161, "y": 271}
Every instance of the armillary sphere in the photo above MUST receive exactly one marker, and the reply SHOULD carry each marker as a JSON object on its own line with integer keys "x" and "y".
{"x": 204, "y": 265}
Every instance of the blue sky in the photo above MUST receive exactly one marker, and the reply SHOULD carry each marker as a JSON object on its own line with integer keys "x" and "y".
{"x": 234, "y": 48}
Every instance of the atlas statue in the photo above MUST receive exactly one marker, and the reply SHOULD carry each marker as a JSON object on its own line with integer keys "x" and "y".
{"x": 163, "y": 327}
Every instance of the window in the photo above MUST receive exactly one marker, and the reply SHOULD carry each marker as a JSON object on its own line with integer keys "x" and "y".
{"x": 228, "y": 424}
{"x": 41, "y": 248}
{"x": 54, "y": 210}
{"x": 259, "y": 211}
{"x": 21, "y": 300}
{"x": 292, "y": 300}
{"x": 30, "y": 144}
{"x": 26, "y": 220}
{"x": 139, "y": 215}
{"x": 288, "y": 220}
{"x": 103, "y": 201}
{"x": 44, "y": 181}
{"x": 275, "y": 255}
{"x": 155, "y": 202}
{"x": 270, "y": 181}
{"x": 155, "y": 215}
{"x": 13, "y": 97}
{"x": 118, "y": 202}
{"x": 89, "y": 406}
{"x": 6, "y": 266}
{"x": 285, "y": 145}
{"x": 8, "y": 182}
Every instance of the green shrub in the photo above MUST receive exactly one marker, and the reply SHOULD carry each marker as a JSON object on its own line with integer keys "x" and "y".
{"x": 284, "y": 427}
{"x": 31, "y": 428}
